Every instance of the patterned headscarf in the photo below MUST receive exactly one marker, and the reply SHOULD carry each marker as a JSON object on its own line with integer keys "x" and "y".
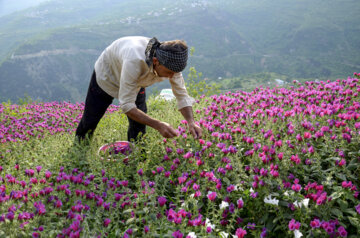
{"x": 175, "y": 61}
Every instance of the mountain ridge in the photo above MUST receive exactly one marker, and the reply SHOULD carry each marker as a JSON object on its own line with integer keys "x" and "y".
{"x": 231, "y": 40}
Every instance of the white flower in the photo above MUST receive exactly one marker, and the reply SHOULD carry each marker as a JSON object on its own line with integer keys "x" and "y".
{"x": 304, "y": 203}
{"x": 286, "y": 193}
{"x": 208, "y": 224}
{"x": 192, "y": 235}
{"x": 297, "y": 234}
{"x": 224, "y": 234}
{"x": 297, "y": 204}
{"x": 238, "y": 187}
{"x": 223, "y": 205}
{"x": 251, "y": 190}
{"x": 270, "y": 200}
{"x": 192, "y": 195}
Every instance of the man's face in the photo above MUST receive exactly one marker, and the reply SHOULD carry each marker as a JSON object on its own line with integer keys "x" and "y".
{"x": 161, "y": 70}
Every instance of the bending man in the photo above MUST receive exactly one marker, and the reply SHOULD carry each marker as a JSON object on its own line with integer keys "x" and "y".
{"x": 123, "y": 71}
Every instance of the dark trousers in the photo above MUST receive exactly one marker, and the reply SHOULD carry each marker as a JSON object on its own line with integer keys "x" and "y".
{"x": 96, "y": 103}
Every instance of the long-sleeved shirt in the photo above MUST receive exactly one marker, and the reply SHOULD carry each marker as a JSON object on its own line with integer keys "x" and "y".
{"x": 121, "y": 71}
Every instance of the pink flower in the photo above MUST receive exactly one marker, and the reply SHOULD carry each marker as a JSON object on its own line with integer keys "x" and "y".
{"x": 240, "y": 233}
{"x": 212, "y": 196}
{"x": 342, "y": 162}
{"x": 47, "y": 174}
{"x": 315, "y": 223}
{"x": 307, "y": 135}
{"x": 280, "y": 156}
{"x": 296, "y": 187}
{"x": 240, "y": 203}
{"x": 294, "y": 225}
{"x": 196, "y": 187}
{"x": 182, "y": 179}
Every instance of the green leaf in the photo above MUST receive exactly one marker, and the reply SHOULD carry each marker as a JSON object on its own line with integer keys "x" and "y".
{"x": 227, "y": 181}
{"x": 354, "y": 221}
{"x": 336, "y": 195}
{"x": 130, "y": 220}
{"x": 341, "y": 176}
{"x": 343, "y": 204}
{"x": 351, "y": 212}
{"x": 352, "y": 166}
{"x": 127, "y": 211}
{"x": 337, "y": 212}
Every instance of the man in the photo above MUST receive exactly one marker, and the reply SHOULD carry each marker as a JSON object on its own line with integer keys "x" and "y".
{"x": 123, "y": 70}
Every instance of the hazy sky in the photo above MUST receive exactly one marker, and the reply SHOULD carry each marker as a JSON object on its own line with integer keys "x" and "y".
{"x": 10, "y": 6}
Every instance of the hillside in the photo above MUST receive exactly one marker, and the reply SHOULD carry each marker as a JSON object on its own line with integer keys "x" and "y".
{"x": 50, "y": 50}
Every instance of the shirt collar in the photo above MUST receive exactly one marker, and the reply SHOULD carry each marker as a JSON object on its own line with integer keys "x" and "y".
{"x": 152, "y": 70}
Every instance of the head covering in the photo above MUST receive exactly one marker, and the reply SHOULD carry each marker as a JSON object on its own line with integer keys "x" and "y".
{"x": 173, "y": 60}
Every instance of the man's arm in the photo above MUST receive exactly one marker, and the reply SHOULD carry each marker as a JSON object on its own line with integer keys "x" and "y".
{"x": 195, "y": 130}
{"x": 164, "y": 128}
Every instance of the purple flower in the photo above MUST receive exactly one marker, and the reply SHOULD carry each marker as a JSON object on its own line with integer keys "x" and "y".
{"x": 146, "y": 229}
{"x": 140, "y": 172}
{"x": 58, "y": 204}
{"x": 38, "y": 168}
{"x": 129, "y": 231}
{"x": 107, "y": 222}
{"x": 177, "y": 234}
{"x": 358, "y": 208}
{"x": 10, "y": 216}
{"x": 342, "y": 231}
{"x": 162, "y": 201}
{"x": 263, "y": 233}
{"x": 35, "y": 234}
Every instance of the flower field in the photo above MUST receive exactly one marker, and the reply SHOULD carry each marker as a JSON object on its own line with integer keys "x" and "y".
{"x": 272, "y": 162}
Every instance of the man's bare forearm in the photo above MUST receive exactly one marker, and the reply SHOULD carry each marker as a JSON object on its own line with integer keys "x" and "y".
{"x": 141, "y": 117}
{"x": 164, "y": 128}
{"x": 187, "y": 113}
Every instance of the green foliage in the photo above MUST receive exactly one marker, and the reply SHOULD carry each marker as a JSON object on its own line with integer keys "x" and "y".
{"x": 25, "y": 100}
{"x": 196, "y": 86}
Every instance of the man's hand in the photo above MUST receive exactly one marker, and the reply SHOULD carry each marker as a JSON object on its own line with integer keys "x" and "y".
{"x": 195, "y": 130}
{"x": 166, "y": 130}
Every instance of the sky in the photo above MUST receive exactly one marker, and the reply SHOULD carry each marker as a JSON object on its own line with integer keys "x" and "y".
{"x": 11, "y": 6}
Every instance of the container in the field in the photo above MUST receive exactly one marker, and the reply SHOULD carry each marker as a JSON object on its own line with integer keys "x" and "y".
{"x": 118, "y": 150}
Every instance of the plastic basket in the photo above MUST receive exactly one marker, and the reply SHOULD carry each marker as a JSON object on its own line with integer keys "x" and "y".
{"x": 116, "y": 150}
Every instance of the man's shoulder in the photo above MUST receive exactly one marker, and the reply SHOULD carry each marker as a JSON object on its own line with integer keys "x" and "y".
{"x": 133, "y": 47}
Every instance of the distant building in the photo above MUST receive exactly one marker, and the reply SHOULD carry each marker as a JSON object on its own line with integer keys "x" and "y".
{"x": 166, "y": 94}
{"x": 279, "y": 81}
